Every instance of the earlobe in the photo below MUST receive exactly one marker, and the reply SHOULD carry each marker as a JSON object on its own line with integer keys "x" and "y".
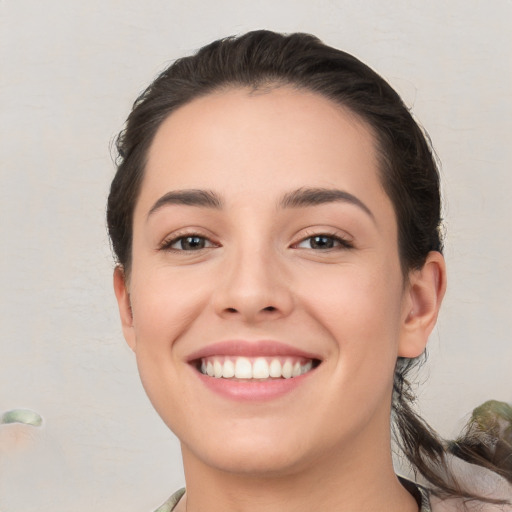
{"x": 425, "y": 292}
{"x": 124, "y": 305}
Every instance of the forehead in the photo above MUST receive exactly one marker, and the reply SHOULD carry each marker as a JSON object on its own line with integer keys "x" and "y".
{"x": 263, "y": 142}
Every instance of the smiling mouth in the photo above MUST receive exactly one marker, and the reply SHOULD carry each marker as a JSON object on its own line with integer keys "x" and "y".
{"x": 255, "y": 368}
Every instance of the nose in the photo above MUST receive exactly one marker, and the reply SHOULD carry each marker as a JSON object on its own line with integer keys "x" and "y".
{"x": 253, "y": 287}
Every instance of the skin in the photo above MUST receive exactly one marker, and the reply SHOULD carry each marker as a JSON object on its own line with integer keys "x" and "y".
{"x": 326, "y": 444}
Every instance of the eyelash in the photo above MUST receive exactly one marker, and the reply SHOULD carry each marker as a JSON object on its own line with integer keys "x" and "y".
{"x": 342, "y": 243}
{"x": 167, "y": 244}
{"x": 338, "y": 242}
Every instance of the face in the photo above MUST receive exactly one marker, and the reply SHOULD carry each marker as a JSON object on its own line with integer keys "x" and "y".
{"x": 265, "y": 304}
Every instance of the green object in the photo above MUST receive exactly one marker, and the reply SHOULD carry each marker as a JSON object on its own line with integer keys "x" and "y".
{"x": 492, "y": 415}
{"x": 25, "y": 416}
{"x": 487, "y": 438}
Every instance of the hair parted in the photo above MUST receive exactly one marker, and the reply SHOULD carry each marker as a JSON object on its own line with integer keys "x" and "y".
{"x": 408, "y": 169}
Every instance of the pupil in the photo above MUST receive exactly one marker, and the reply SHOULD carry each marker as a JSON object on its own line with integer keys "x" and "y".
{"x": 192, "y": 242}
{"x": 322, "y": 242}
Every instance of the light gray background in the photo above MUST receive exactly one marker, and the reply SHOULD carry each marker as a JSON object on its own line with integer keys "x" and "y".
{"x": 69, "y": 71}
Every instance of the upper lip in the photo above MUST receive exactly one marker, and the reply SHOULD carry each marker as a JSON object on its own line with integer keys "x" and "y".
{"x": 245, "y": 348}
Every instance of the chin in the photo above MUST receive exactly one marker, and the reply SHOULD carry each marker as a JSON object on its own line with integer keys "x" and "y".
{"x": 252, "y": 455}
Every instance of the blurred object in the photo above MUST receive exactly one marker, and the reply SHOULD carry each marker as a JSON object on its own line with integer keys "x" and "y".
{"x": 487, "y": 438}
{"x": 33, "y": 469}
{"x": 478, "y": 479}
{"x": 15, "y": 432}
{"x": 25, "y": 416}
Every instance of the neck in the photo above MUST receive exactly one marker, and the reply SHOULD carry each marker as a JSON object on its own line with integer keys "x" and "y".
{"x": 343, "y": 480}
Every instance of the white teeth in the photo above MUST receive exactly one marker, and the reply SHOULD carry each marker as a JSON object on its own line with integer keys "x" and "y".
{"x": 287, "y": 369}
{"x": 260, "y": 369}
{"x": 217, "y": 369}
{"x": 275, "y": 369}
{"x": 227, "y": 367}
{"x": 307, "y": 367}
{"x": 243, "y": 368}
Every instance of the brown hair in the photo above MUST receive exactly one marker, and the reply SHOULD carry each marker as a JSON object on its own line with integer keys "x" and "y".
{"x": 408, "y": 169}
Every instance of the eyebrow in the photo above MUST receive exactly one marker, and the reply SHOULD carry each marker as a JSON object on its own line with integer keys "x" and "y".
{"x": 304, "y": 197}
{"x": 300, "y": 198}
{"x": 192, "y": 197}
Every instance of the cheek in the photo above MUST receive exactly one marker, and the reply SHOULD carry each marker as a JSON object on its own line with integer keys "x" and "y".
{"x": 361, "y": 312}
{"x": 164, "y": 303}
{"x": 355, "y": 296}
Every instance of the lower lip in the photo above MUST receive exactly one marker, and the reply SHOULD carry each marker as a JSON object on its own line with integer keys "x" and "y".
{"x": 253, "y": 390}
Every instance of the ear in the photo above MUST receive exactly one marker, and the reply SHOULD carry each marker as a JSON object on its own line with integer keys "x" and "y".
{"x": 124, "y": 305}
{"x": 422, "y": 300}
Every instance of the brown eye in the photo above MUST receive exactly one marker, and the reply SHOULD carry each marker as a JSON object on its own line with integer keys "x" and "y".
{"x": 188, "y": 243}
{"x": 323, "y": 242}
{"x": 192, "y": 243}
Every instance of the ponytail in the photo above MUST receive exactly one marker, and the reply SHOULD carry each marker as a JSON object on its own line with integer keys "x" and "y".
{"x": 486, "y": 441}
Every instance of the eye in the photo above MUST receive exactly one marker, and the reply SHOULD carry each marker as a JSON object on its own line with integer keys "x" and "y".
{"x": 323, "y": 242}
{"x": 187, "y": 243}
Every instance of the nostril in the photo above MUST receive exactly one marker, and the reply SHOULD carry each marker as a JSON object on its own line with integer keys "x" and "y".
{"x": 269, "y": 308}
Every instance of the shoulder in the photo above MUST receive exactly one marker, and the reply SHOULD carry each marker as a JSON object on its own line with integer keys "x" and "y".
{"x": 171, "y": 503}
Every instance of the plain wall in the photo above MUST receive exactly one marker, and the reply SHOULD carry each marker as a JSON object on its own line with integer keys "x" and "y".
{"x": 69, "y": 71}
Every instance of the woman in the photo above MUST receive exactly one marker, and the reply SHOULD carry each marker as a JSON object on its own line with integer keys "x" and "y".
{"x": 275, "y": 215}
